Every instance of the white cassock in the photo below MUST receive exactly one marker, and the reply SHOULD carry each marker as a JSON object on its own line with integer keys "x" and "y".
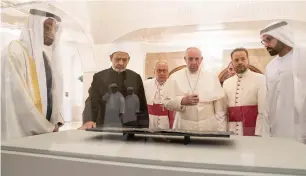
{"x": 209, "y": 114}
{"x": 245, "y": 96}
{"x": 286, "y": 85}
{"x": 23, "y": 83}
{"x": 160, "y": 117}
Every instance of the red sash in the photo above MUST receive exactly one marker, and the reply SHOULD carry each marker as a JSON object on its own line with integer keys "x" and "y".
{"x": 160, "y": 110}
{"x": 245, "y": 114}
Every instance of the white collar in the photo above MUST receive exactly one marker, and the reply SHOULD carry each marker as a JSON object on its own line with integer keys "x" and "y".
{"x": 158, "y": 84}
{"x": 243, "y": 74}
{"x": 194, "y": 73}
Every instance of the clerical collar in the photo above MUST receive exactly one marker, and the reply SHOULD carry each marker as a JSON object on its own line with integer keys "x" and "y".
{"x": 193, "y": 73}
{"x": 240, "y": 75}
{"x": 158, "y": 83}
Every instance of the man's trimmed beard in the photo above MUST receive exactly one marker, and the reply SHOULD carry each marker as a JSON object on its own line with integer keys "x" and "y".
{"x": 241, "y": 68}
{"x": 277, "y": 49}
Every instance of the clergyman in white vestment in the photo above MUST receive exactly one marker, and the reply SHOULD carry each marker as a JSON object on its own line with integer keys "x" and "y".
{"x": 245, "y": 96}
{"x": 160, "y": 117}
{"x": 196, "y": 96}
{"x": 31, "y": 81}
{"x": 286, "y": 81}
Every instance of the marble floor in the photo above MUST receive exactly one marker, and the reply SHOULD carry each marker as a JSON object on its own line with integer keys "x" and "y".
{"x": 71, "y": 126}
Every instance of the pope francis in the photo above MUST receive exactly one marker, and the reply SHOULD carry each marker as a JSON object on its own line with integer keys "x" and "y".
{"x": 196, "y": 96}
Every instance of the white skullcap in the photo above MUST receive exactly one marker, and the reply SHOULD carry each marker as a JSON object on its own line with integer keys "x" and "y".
{"x": 279, "y": 30}
{"x": 115, "y": 47}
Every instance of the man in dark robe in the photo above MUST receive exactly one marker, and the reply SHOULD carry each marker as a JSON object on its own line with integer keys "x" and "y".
{"x": 87, "y": 109}
{"x": 123, "y": 78}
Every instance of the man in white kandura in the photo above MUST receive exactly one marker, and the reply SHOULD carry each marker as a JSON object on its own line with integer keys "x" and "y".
{"x": 31, "y": 81}
{"x": 245, "y": 96}
{"x": 286, "y": 81}
{"x": 196, "y": 96}
{"x": 160, "y": 117}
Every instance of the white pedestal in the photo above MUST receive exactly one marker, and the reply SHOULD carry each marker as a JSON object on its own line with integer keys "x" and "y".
{"x": 88, "y": 153}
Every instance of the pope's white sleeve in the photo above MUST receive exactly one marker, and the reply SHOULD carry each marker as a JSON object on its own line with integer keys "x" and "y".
{"x": 170, "y": 100}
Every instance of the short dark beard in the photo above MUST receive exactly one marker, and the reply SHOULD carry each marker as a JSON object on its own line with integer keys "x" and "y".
{"x": 242, "y": 70}
{"x": 277, "y": 49}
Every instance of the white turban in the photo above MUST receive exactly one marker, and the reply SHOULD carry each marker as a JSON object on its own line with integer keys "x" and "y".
{"x": 279, "y": 30}
{"x": 283, "y": 32}
{"x": 123, "y": 47}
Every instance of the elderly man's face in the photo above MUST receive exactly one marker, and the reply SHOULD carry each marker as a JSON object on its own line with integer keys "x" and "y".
{"x": 49, "y": 31}
{"x": 273, "y": 46}
{"x": 120, "y": 60}
{"x": 161, "y": 72}
{"x": 193, "y": 59}
{"x": 240, "y": 61}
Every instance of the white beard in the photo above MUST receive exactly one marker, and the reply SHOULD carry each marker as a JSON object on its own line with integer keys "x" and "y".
{"x": 118, "y": 70}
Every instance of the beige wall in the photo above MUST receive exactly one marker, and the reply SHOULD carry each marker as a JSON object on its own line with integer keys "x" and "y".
{"x": 174, "y": 60}
{"x": 258, "y": 57}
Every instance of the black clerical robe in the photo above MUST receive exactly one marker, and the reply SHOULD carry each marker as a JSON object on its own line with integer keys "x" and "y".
{"x": 100, "y": 87}
{"x": 87, "y": 109}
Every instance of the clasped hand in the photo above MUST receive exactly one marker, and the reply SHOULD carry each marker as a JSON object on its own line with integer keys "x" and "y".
{"x": 190, "y": 100}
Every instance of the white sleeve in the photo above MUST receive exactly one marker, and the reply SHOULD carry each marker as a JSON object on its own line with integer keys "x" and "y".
{"x": 299, "y": 68}
{"x": 171, "y": 101}
{"x": 220, "y": 111}
{"x": 19, "y": 115}
{"x": 262, "y": 124}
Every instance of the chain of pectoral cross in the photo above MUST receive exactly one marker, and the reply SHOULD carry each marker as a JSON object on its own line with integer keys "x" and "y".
{"x": 158, "y": 86}
{"x": 195, "y": 86}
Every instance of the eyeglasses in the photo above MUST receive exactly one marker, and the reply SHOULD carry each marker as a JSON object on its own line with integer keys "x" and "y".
{"x": 267, "y": 40}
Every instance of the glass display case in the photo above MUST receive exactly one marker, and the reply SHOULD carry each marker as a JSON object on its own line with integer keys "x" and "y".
{"x": 82, "y": 105}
